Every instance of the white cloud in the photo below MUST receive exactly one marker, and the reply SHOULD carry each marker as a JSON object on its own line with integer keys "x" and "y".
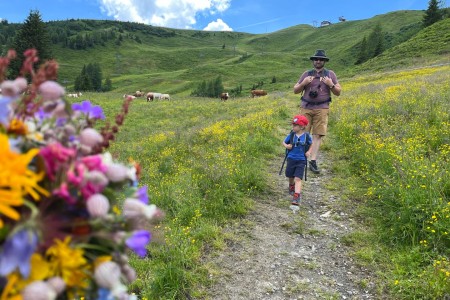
{"x": 166, "y": 13}
{"x": 218, "y": 25}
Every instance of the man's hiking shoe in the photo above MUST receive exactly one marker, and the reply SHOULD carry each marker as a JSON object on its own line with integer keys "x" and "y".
{"x": 296, "y": 199}
{"x": 313, "y": 167}
{"x": 291, "y": 189}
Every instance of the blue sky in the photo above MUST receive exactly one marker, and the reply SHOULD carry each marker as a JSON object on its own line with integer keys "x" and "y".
{"x": 252, "y": 16}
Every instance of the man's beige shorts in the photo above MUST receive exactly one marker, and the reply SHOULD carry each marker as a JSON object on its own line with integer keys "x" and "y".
{"x": 318, "y": 120}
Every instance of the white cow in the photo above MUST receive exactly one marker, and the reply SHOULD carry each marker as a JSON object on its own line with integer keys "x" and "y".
{"x": 165, "y": 96}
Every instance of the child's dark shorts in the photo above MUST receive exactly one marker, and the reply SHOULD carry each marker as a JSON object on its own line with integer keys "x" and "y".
{"x": 295, "y": 168}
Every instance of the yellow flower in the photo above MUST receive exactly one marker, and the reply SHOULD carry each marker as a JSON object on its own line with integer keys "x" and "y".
{"x": 16, "y": 180}
{"x": 68, "y": 263}
{"x": 39, "y": 270}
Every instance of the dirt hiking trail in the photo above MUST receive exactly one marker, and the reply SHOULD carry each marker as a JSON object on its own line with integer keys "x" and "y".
{"x": 274, "y": 253}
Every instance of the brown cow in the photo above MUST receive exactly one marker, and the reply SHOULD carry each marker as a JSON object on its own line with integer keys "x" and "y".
{"x": 257, "y": 93}
{"x": 224, "y": 96}
{"x": 150, "y": 97}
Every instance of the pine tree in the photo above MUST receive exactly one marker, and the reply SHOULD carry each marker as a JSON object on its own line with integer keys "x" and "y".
{"x": 108, "y": 85}
{"x": 432, "y": 14}
{"x": 32, "y": 34}
{"x": 375, "y": 43}
{"x": 362, "y": 55}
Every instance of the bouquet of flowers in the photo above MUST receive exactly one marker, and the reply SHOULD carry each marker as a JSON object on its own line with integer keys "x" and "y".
{"x": 69, "y": 213}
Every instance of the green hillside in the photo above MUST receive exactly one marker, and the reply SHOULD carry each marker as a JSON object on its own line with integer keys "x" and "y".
{"x": 144, "y": 57}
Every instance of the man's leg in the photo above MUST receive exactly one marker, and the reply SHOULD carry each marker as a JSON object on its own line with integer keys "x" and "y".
{"x": 317, "y": 140}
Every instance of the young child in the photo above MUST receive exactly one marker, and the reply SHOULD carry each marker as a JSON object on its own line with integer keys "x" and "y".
{"x": 298, "y": 151}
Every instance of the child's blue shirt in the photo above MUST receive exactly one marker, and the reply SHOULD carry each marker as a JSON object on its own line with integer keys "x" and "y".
{"x": 299, "y": 142}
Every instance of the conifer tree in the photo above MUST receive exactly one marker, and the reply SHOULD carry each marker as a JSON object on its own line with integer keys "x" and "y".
{"x": 375, "y": 43}
{"x": 432, "y": 14}
{"x": 107, "y": 86}
{"x": 32, "y": 34}
{"x": 362, "y": 55}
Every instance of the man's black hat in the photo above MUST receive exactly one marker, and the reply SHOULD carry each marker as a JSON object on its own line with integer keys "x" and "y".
{"x": 320, "y": 54}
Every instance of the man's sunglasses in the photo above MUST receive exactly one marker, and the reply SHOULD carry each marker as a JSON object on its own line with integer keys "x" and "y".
{"x": 319, "y": 59}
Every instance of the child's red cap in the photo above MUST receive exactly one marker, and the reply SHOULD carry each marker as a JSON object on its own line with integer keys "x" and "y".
{"x": 300, "y": 120}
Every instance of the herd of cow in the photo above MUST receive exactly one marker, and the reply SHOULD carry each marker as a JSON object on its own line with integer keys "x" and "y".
{"x": 159, "y": 96}
{"x": 150, "y": 96}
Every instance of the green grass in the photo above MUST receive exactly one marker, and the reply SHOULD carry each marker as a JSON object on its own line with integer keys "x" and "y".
{"x": 396, "y": 138}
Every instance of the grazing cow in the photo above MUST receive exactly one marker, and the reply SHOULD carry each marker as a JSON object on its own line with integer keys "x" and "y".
{"x": 165, "y": 96}
{"x": 129, "y": 96}
{"x": 76, "y": 95}
{"x": 258, "y": 93}
{"x": 224, "y": 96}
{"x": 150, "y": 96}
{"x": 138, "y": 94}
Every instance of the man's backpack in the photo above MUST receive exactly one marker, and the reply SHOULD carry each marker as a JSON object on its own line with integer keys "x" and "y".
{"x": 313, "y": 72}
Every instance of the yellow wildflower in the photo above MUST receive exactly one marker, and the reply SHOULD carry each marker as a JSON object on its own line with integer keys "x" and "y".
{"x": 16, "y": 180}
{"x": 68, "y": 263}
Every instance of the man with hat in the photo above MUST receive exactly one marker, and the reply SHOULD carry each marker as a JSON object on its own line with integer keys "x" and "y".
{"x": 316, "y": 86}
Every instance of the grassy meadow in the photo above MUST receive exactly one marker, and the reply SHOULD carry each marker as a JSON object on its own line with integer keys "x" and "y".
{"x": 204, "y": 160}
{"x": 393, "y": 130}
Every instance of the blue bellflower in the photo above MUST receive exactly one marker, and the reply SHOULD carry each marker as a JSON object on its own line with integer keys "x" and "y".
{"x": 138, "y": 242}
{"x": 17, "y": 251}
{"x": 91, "y": 111}
{"x": 142, "y": 195}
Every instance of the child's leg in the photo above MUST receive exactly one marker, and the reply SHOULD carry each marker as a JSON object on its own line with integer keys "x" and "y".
{"x": 291, "y": 180}
{"x": 298, "y": 185}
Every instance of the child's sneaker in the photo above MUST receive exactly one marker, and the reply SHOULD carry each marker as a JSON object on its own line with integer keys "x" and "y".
{"x": 296, "y": 199}
{"x": 291, "y": 189}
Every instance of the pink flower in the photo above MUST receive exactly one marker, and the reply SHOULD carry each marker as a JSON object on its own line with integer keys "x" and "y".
{"x": 63, "y": 192}
{"x": 55, "y": 157}
{"x": 94, "y": 162}
{"x": 51, "y": 90}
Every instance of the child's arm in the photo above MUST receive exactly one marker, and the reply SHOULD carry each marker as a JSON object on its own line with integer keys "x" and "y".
{"x": 287, "y": 146}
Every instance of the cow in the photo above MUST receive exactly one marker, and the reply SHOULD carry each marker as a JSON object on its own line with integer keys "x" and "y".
{"x": 76, "y": 95}
{"x": 165, "y": 96}
{"x": 150, "y": 96}
{"x": 224, "y": 96}
{"x": 138, "y": 94}
{"x": 257, "y": 93}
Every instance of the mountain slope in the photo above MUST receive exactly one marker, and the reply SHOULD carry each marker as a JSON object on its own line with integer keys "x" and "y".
{"x": 137, "y": 56}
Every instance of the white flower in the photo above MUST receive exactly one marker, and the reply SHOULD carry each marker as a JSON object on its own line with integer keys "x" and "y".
{"x": 38, "y": 290}
{"x": 97, "y": 205}
{"x": 107, "y": 275}
{"x": 116, "y": 172}
{"x": 135, "y": 209}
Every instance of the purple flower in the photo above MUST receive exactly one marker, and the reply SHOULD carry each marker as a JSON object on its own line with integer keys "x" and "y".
{"x": 142, "y": 195}
{"x": 4, "y": 109}
{"x": 60, "y": 122}
{"x": 92, "y": 111}
{"x": 17, "y": 251}
{"x": 138, "y": 241}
